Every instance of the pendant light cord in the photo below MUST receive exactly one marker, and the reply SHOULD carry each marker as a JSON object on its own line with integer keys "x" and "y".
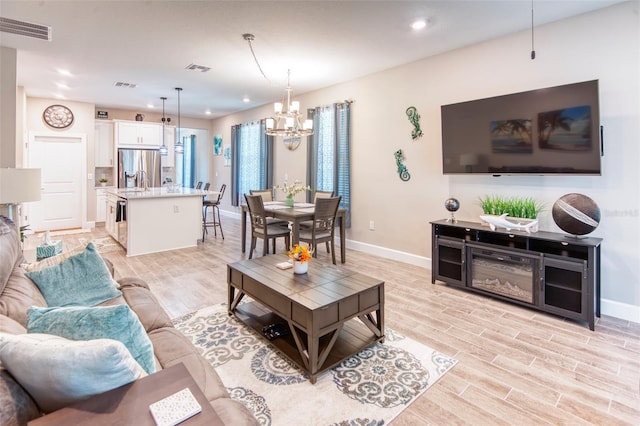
{"x": 533, "y": 51}
{"x": 250, "y": 38}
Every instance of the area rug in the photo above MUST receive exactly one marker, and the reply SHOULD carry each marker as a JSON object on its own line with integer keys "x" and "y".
{"x": 370, "y": 388}
{"x": 103, "y": 245}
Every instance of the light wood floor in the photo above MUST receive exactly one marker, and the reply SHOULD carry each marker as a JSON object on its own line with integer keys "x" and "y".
{"x": 515, "y": 366}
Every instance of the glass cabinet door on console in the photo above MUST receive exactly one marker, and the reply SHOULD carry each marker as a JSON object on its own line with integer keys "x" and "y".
{"x": 450, "y": 264}
{"x": 564, "y": 288}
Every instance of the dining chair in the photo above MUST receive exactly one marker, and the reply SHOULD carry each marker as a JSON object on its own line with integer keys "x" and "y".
{"x": 324, "y": 225}
{"x": 267, "y": 195}
{"x": 307, "y": 224}
{"x": 260, "y": 228}
{"x": 215, "y": 207}
{"x": 322, "y": 194}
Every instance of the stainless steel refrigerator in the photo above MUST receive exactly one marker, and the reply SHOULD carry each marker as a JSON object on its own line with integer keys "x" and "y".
{"x": 131, "y": 162}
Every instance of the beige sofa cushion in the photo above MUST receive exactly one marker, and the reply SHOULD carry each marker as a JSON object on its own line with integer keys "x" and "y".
{"x": 19, "y": 294}
{"x": 172, "y": 347}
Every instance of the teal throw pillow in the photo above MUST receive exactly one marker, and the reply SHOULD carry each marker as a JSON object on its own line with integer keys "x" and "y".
{"x": 117, "y": 322}
{"x": 80, "y": 280}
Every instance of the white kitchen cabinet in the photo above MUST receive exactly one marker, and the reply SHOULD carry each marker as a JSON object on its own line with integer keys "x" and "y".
{"x": 110, "y": 217}
{"x": 101, "y": 205}
{"x": 134, "y": 134}
{"x": 103, "y": 144}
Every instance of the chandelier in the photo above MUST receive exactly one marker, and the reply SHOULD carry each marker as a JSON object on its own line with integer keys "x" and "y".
{"x": 288, "y": 122}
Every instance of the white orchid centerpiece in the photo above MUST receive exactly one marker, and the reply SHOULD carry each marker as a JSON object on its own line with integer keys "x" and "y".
{"x": 295, "y": 188}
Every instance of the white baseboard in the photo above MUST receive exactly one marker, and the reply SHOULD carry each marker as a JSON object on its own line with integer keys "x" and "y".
{"x": 620, "y": 310}
{"x": 392, "y": 254}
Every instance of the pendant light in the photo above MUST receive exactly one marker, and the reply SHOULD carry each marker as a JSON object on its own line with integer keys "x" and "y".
{"x": 179, "y": 145}
{"x": 164, "y": 150}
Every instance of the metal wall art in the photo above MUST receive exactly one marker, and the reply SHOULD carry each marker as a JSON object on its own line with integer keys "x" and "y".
{"x": 402, "y": 169}
{"x": 414, "y": 118}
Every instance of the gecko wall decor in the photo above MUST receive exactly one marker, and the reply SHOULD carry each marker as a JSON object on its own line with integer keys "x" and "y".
{"x": 414, "y": 118}
{"x": 402, "y": 169}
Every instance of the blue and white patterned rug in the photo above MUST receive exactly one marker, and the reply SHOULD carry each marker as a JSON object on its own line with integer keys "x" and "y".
{"x": 370, "y": 388}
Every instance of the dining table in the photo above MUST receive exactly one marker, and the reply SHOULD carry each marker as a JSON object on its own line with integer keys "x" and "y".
{"x": 297, "y": 214}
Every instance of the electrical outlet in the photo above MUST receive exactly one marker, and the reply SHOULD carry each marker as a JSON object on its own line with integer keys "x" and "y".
{"x": 286, "y": 176}
{"x": 372, "y": 225}
{"x": 176, "y": 209}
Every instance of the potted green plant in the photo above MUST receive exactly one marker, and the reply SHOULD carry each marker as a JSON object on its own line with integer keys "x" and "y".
{"x": 510, "y": 212}
{"x": 103, "y": 181}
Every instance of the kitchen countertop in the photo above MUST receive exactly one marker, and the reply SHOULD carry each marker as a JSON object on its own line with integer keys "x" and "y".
{"x": 137, "y": 194}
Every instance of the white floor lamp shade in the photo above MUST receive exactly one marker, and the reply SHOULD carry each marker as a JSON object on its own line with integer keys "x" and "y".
{"x": 19, "y": 186}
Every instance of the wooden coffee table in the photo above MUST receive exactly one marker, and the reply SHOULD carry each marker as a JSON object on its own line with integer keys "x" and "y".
{"x": 320, "y": 308}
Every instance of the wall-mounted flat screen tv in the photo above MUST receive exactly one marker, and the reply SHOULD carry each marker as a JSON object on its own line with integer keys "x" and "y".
{"x": 540, "y": 132}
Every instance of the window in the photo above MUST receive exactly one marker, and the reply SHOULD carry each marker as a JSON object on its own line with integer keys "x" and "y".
{"x": 251, "y": 160}
{"x": 329, "y": 152}
{"x": 185, "y": 162}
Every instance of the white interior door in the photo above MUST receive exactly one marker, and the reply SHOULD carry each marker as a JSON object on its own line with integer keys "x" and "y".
{"x": 62, "y": 160}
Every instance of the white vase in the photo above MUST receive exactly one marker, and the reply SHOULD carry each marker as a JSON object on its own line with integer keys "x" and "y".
{"x": 300, "y": 267}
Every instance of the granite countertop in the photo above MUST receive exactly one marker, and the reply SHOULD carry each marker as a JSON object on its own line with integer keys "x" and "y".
{"x": 137, "y": 193}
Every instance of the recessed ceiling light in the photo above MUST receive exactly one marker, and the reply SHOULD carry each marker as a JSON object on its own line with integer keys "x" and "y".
{"x": 419, "y": 24}
{"x": 62, "y": 86}
{"x": 64, "y": 72}
{"x": 246, "y": 100}
{"x": 150, "y": 106}
{"x": 60, "y": 96}
{"x": 207, "y": 112}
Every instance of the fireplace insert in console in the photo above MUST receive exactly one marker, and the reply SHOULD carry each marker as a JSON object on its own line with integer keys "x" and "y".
{"x": 504, "y": 274}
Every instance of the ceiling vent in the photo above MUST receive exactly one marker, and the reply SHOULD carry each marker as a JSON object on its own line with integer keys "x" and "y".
{"x": 125, "y": 85}
{"x": 26, "y": 29}
{"x": 195, "y": 67}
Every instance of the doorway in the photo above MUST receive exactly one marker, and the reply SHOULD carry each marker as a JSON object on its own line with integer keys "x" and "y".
{"x": 62, "y": 159}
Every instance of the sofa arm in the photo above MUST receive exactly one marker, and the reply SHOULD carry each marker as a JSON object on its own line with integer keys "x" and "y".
{"x": 141, "y": 301}
{"x": 132, "y": 282}
{"x": 109, "y": 265}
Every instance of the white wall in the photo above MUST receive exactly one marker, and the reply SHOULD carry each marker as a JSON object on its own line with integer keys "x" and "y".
{"x": 603, "y": 45}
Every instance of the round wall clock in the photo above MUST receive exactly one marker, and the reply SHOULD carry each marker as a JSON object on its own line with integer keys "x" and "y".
{"x": 58, "y": 116}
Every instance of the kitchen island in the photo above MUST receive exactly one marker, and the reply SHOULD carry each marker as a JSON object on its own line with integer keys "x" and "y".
{"x": 155, "y": 219}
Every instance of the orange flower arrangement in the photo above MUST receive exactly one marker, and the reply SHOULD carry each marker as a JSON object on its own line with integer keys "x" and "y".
{"x": 300, "y": 253}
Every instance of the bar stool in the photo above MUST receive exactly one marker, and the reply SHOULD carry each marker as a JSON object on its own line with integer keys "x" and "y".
{"x": 215, "y": 205}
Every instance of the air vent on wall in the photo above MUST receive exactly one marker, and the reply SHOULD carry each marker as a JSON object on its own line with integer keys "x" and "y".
{"x": 125, "y": 85}
{"x": 26, "y": 29}
{"x": 195, "y": 67}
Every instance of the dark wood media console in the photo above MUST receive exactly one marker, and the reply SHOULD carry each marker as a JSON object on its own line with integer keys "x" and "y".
{"x": 548, "y": 271}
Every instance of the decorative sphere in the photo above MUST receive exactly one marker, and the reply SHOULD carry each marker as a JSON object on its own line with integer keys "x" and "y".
{"x": 452, "y": 205}
{"x": 576, "y": 214}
